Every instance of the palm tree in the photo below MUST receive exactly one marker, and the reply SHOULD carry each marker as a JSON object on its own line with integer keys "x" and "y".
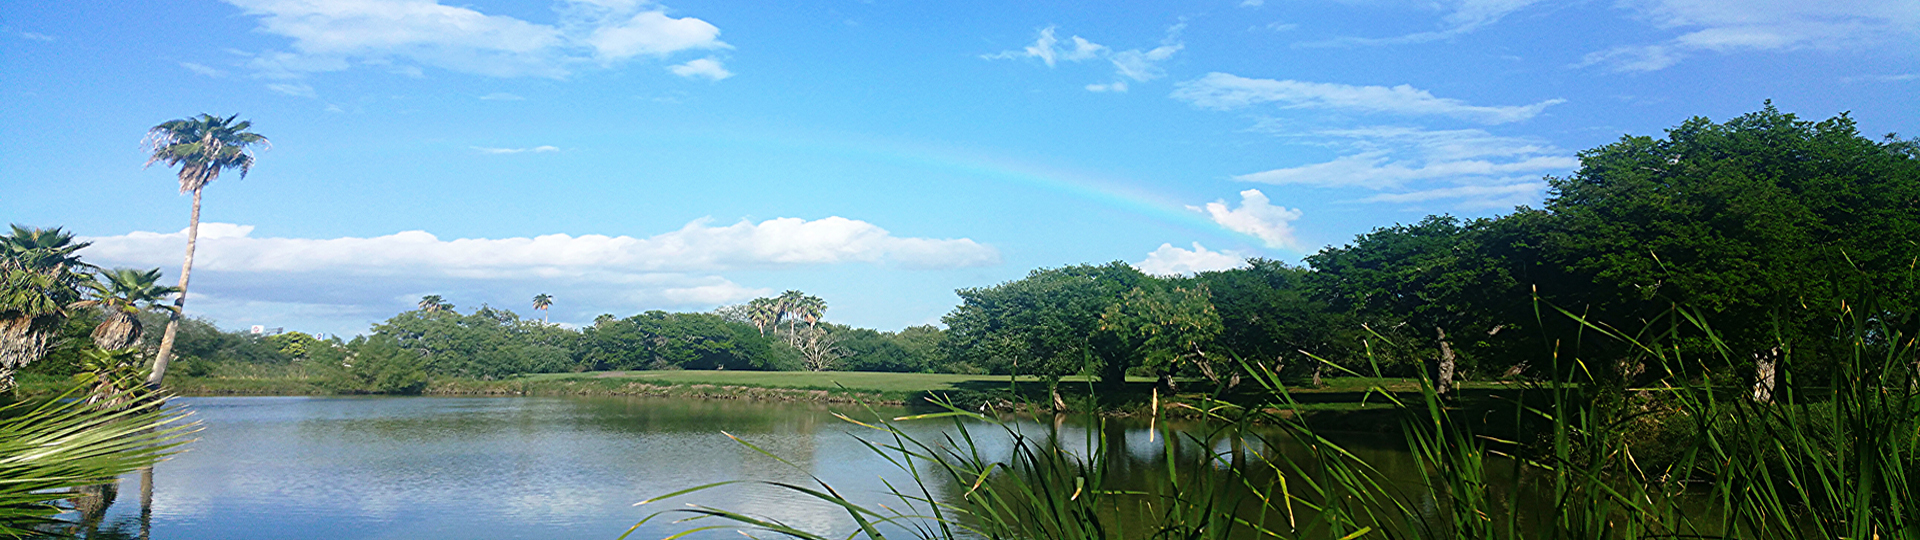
{"x": 202, "y": 147}
{"x": 432, "y": 303}
{"x": 122, "y": 293}
{"x": 765, "y": 314}
{"x": 39, "y": 278}
{"x": 541, "y": 302}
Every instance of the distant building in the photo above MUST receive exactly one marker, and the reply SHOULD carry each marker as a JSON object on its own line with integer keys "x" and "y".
{"x": 260, "y": 330}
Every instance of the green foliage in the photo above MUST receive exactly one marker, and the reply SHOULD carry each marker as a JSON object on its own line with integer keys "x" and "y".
{"x": 1047, "y": 324}
{"x": 197, "y": 339}
{"x": 51, "y": 446}
{"x": 487, "y": 344}
{"x": 1764, "y": 221}
{"x": 914, "y": 349}
{"x": 1270, "y": 313}
{"x": 661, "y": 340}
{"x": 375, "y": 365}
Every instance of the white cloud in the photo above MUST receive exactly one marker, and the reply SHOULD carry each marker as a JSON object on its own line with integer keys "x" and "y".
{"x": 1761, "y": 25}
{"x": 293, "y": 89}
{"x": 1173, "y": 261}
{"x": 36, "y": 36}
{"x": 501, "y": 96}
{"x": 543, "y": 149}
{"x": 1046, "y": 48}
{"x": 1225, "y": 91}
{"x": 1256, "y": 216}
{"x": 201, "y": 69}
{"x": 653, "y": 33}
{"x": 1139, "y": 65}
{"x": 242, "y": 278}
{"x": 696, "y": 247}
{"x": 1476, "y": 169}
{"x": 705, "y": 68}
{"x": 1252, "y": 3}
{"x": 331, "y": 35}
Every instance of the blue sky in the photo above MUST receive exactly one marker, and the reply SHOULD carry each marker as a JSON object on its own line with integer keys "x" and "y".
{"x": 625, "y": 155}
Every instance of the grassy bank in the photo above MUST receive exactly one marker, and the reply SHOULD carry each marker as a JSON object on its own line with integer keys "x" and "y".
{"x": 1339, "y": 402}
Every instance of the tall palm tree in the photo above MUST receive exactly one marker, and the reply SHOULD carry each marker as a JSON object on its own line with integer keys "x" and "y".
{"x": 433, "y": 303}
{"x": 201, "y": 147}
{"x": 122, "y": 293}
{"x": 39, "y": 278}
{"x": 541, "y": 302}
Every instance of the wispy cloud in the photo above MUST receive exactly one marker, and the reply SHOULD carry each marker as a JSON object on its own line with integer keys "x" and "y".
{"x": 1137, "y": 65}
{"x": 707, "y": 68}
{"x": 293, "y": 89}
{"x": 1256, "y": 216}
{"x": 501, "y": 96}
{"x": 1472, "y": 168}
{"x": 1222, "y": 91}
{"x": 36, "y": 36}
{"x": 1048, "y": 50}
{"x": 543, "y": 149}
{"x": 1173, "y": 261}
{"x": 1713, "y": 26}
{"x": 203, "y": 70}
{"x": 1463, "y": 17}
{"x": 332, "y": 35}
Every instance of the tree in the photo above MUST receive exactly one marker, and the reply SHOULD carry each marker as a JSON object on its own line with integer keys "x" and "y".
{"x": 1047, "y": 324}
{"x": 433, "y": 303}
{"x": 1766, "y": 223}
{"x": 202, "y": 147}
{"x": 40, "y": 278}
{"x": 1424, "y": 283}
{"x": 1269, "y": 312}
{"x": 121, "y": 294}
{"x": 541, "y": 302}
{"x": 1174, "y": 323}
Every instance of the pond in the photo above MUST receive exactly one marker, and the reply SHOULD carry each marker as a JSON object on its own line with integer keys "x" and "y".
{"x": 521, "y": 467}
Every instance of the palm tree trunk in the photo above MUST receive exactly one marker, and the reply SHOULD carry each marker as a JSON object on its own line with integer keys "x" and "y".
{"x": 179, "y": 301}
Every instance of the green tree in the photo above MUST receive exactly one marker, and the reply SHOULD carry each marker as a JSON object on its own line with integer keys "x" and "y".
{"x": 1428, "y": 283}
{"x": 1765, "y": 222}
{"x": 1269, "y": 312}
{"x": 1047, "y": 325}
{"x": 121, "y": 294}
{"x": 40, "y": 277}
{"x": 202, "y": 147}
{"x": 1174, "y": 323}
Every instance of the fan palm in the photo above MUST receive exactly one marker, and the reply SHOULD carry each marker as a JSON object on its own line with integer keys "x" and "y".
{"x": 541, "y": 302}
{"x": 201, "y": 147}
{"x": 39, "y": 278}
{"x": 51, "y": 446}
{"x": 122, "y": 293}
{"x": 433, "y": 303}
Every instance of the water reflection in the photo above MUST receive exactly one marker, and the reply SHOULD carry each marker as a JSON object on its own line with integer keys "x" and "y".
{"x": 374, "y": 468}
